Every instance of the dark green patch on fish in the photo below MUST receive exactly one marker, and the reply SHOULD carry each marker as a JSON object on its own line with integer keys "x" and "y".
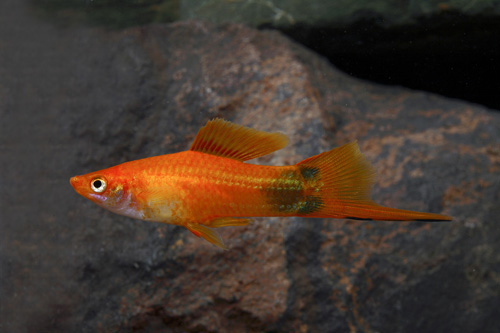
{"x": 286, "y": 193}
{"x": 310, "y": 204}
{"x": 309, "y": 173}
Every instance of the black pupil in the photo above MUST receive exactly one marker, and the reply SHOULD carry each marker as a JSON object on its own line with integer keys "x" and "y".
{"x": 97, "y": 183}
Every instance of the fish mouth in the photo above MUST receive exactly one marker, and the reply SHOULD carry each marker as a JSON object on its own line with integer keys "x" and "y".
{"x": 81, "y": 186}
{"x": 75, "y": 182}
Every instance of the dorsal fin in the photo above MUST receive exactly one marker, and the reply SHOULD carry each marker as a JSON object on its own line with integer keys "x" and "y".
{"x": 225, "y": 139}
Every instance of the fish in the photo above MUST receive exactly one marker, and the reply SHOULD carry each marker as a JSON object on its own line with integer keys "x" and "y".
{"x": 211, "y": 186}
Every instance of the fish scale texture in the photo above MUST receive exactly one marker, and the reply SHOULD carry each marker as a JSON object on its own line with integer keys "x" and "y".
{"x": 210, "y": 186}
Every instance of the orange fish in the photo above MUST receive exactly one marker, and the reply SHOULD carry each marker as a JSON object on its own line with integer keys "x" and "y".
{"x": 210, "y": 186}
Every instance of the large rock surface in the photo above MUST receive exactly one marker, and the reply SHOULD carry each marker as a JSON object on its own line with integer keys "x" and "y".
{"x": 77, "y": 100}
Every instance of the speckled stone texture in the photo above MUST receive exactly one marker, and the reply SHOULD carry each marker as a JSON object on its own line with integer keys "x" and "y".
{"x": 76, "y": 100}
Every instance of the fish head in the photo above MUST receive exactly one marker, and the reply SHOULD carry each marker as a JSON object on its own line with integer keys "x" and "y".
{"x": 105, "y": 188}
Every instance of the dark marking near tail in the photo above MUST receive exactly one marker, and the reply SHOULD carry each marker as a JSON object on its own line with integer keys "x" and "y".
{"x": 309, "y": 205}
{"x": 286, "y": 193}
{"x": 309, "y": 173}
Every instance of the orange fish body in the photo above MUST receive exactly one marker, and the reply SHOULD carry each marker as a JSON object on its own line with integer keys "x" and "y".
{"x": 210, "y": 186}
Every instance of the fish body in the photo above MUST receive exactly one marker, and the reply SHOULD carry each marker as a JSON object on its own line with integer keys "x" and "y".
{"x": 192, "y": 185}
{"x": 211, "y": 186}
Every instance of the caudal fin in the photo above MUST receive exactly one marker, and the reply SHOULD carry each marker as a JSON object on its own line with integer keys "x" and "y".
{"x": 339, "y": 182}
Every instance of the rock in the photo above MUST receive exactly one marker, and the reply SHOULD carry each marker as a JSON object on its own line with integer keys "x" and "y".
{"x": 77, "y": 100}
{"x": 449, "y": 48}
{"x": 283, "y": 14}
{"x": 256, "y": 13}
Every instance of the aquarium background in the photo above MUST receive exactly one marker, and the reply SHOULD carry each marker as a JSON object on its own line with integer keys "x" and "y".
{"x": 85, "y": 85}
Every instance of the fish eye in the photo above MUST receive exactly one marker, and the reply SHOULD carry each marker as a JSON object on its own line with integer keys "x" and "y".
{"x": 98, "y": 184}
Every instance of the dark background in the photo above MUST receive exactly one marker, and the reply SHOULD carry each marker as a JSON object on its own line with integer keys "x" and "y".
{"x": 80, "y": 95}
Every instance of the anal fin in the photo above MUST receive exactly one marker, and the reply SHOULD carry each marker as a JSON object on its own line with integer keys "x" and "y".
{"x": 205, "y": 232}
{"x": 227, "y": 222}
